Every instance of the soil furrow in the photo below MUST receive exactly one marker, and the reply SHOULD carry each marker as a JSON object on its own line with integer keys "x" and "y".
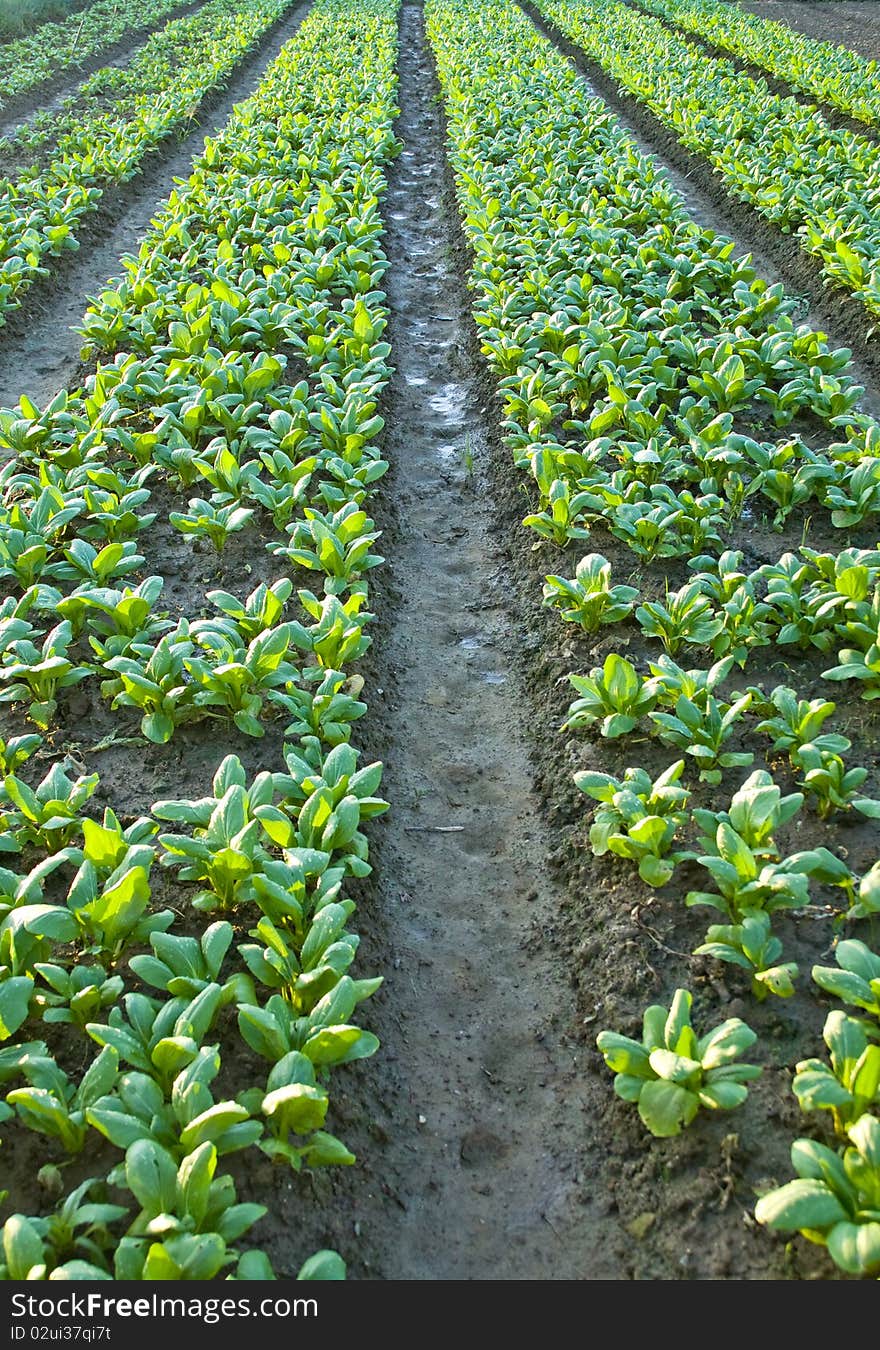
{"x": 15, "y": 111}
{"x": 777, "y": 256}
{"x": 777, "y": 84}
{"x": 39, "y": 351}
{"x": 493, "y": 1102}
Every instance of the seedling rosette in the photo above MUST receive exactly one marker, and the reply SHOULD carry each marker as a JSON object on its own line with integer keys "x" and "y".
{"x": 835, "y": 1200}
{"x": 671, "y": 1073}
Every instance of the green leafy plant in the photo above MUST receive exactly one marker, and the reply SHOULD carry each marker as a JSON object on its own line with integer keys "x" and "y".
{"x": 856, "y": 980}
{"x": 834, "y": 787}
{"x": 182, "y": 1122}
{"x": 638, "y": 818}
{"x": 273, "y": 1031}
{"x": 747, "y": 883}
{"x": 757, "y": 810}
{"x": 51, "y": 1104}
{"x": 226, "y": 848}
{"x": 614, "y": 694}
{"x": 835, "y": 1200}
{"x": 50, "y": 814}
{"x": 203, "y": 520}
{"x": 76, "y": 995}
{"x": 153, "y": 679}
{"x": 36, "y": 674}
{"x": 687, "y": 618}
{"x": 338, "y": 544}
{"x": 74, "y": 1241}
{"x": 753, "y": 947}
{"x": 702, "y": 733}
{"x": 849, "y": 1085}
{"x": 188, "y": 1216}
{"x": 672, "y": 1072}
{"x": 798, "y": 723}
{"x": 590, "y": 599}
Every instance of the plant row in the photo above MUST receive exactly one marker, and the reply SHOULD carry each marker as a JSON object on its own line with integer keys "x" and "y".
{"x": 122, "y": 115}
{"x": 542, "y": 173}
{"x": 779, "y": 154}
{"x": 57, "y": 47}
{"x": 823, "y": 70}
{"x": 247, "y": 268}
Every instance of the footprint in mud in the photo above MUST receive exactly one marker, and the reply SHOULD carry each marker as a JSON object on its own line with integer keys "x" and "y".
{"x": 480, "y": 1146}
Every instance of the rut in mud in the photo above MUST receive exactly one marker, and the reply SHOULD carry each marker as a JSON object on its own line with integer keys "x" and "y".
{"x": 39, "y": 350}
{"x": 494, "y": 1108}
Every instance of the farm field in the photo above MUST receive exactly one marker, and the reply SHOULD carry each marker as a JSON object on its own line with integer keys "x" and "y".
{"x": 440, "y": 644}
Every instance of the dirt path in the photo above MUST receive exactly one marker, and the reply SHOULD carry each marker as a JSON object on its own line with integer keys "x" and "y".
{"x": 38, "y": 349}
{"x": 850, "y": 23}
{"x": 495, "y": 1105}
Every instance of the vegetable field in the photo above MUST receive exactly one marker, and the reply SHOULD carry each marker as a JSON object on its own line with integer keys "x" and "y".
{"x": 440, "y": 642}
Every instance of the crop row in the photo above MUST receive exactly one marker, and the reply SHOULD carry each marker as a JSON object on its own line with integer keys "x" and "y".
{"x": 247, "y": 268}
{"x": 820, "y": 69}
{"x": 57, "y": 47}
{"x": 122, "y": 115}
{"x": 779, "y": 154}
{"x": 543, "y": 175}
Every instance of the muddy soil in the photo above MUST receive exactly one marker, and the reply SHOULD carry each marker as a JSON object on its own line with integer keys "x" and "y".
{"x": 39, "y": 349}
{"x": 483, "y": 903}
{"x": 489, "y": 1142}
{"x": 851, "y": 23}
{"x": 488, "y": 1151}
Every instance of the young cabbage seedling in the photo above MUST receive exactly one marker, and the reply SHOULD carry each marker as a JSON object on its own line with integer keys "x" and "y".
{"x": 638, "y": 818}
{"x": 856, "y": 980}
{"x": 835, "y": 1200}
{"x": 614, "y": 694}
{"x": 851, "y": 1084}
{"x": 672, "y": 1072}
{"x": 757, "y": 810}
{"x": 590, "y": 599}
{"x": 751, "y": 946}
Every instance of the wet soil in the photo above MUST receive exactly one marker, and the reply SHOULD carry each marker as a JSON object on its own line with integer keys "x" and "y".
{"x": 489, "y": 1142}
{"x": 487, "y": 1139}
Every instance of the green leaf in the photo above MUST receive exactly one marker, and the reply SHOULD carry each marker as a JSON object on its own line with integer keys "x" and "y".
{"x": 15, "y": 996}
{"x": 855, "y": 1247}
{"x": 805, "y": 1203}
{"x": 23, "y": 1246}
{"x": 298, "y": 1107}
{"x": 340, "y": 1045}
{"x": 666, "y": 1107}
{"x": 324, "y": 1265}
{"x": 151, "y": 1176}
